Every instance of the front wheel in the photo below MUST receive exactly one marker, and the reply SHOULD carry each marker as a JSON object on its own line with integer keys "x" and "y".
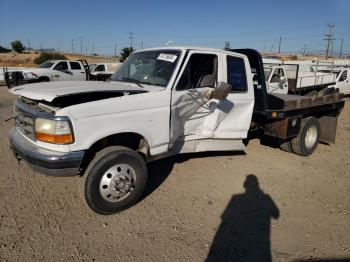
{"x": 114, "y": 180}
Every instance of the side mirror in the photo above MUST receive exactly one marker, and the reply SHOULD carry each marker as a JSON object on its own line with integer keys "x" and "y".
{"x": 283, "y": 79}
{"x": 220, "y": 92}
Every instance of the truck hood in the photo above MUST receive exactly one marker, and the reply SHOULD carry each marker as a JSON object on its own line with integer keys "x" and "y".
{"x": 49, "y": 91}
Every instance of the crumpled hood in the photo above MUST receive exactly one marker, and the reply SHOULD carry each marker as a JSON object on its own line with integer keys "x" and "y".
{"x": 48, "y": 91}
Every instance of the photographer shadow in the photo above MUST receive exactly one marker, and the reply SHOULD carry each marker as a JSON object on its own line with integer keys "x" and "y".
{"x": 244, "y": 232}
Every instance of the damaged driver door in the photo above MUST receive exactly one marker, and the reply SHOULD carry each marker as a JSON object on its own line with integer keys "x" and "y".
{"x": 204, "y": 115}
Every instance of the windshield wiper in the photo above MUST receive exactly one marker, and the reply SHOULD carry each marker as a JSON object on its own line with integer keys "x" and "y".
{"x": 137, "y": 82}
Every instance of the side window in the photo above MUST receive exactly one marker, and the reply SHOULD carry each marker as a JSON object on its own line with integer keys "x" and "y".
{"x": 75, "y": 66}
{"x": 61, "y": 66}
{"x": 275, "y": 76}
{"x": 236, "y": 74}
{"x": 100, "y": 68}
{"x": 343, "y": 76}
{"x": 200, "y": 71}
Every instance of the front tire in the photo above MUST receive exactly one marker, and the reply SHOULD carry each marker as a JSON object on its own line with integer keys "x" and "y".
{"x": 307, "y": 140}
{"x": 114, "y": 180}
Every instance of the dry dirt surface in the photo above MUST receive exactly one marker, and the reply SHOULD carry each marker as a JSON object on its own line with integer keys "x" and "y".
{"x": 232, "y": 207}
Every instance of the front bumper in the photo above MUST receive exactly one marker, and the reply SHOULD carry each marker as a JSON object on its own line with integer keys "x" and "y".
{"x": 45, "y": 161}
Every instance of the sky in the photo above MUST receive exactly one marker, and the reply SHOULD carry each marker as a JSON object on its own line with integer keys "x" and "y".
{"x": 101, "y": 24}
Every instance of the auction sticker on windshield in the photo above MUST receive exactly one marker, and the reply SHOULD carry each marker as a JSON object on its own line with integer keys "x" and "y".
{"x": 167, "y": 57}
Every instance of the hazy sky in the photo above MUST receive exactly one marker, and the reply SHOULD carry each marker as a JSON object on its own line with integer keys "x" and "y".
{"x": 101, "y": 23}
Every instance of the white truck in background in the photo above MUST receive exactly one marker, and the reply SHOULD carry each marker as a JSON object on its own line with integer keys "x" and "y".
{"x": 287, "y": 79}
{"x": 342, "y": 81}
{"x": 102, "y": 71}
{"x": 51, "y": 70}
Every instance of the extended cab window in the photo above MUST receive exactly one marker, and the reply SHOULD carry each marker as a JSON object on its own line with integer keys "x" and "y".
{"x": 236, "y": 74}
{"x": 61, "y": 66}
{"x": 200, "y": 71}
{"x": 75, "y": 66}
{"x": 100, "y": 68}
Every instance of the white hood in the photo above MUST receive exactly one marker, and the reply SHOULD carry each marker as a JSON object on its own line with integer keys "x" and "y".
{"x": 49, "y": 91}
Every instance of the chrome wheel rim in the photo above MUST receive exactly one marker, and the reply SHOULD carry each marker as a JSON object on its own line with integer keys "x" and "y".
{"x": 311, "y": 136}
{"x": 117, "y": 183}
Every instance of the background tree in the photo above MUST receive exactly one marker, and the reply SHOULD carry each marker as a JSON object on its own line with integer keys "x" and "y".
{"x": 49, "y": 56}
{"x": 17, "y": 46}
{"x": 126, "y": 51}
{"x": 4, "y": 49}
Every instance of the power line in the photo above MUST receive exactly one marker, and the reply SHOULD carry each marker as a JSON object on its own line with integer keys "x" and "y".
{"x": 329, "y": 38}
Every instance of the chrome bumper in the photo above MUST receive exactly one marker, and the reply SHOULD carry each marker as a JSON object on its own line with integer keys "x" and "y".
{"x": 45, "y": 161}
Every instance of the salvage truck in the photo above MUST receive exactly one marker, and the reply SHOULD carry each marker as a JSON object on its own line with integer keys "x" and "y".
{"x": 160, "y": 102}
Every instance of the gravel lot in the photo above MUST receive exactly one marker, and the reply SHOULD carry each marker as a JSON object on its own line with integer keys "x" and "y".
{"x": 233, "y": 206}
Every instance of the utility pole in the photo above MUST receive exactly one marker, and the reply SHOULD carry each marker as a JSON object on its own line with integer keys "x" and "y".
{"x": 115, "y": 50}
{"x": 28, "y": 48}
{"x": 341, "y": 48}
{"x": 264, "y": 46}
{"x": 329, "y": 38}
{"x": 131, "y": 37}
{"x": 141, "y": 45}
{"x": 304, "y": 50}
{"x": 272, "y": 46}
{"x": 81, "y": 45}
{"x": 73, "y": 46}
{"x": 279, "y": 45}
{"x": 93, "y": 48}
{"x": 86, "y": 50}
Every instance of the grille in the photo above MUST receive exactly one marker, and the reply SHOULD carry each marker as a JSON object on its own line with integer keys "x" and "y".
{"x": 25, "y": 123}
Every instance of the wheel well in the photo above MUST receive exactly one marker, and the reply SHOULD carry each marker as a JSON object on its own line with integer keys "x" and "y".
{"x": 133, "y": 141}
{"x": 44, "y": 78}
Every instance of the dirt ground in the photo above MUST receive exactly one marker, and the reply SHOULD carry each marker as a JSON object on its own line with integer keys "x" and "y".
{"x": 194, "y": 205}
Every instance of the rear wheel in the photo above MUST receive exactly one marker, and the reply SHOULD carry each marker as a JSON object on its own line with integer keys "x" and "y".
{"x": 307, "y": 140}
{"x": 286, "y": 145}
{"x": 114, "y": 180}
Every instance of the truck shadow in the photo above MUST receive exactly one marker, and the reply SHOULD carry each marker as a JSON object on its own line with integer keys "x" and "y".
{"x": 244, "y": 232}
{"x": 158, "y": 171}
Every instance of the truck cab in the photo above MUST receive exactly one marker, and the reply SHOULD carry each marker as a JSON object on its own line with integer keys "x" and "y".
{"x": 276, "y": 79}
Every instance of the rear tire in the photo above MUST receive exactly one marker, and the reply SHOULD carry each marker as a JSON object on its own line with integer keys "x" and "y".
{"x": 309, "y": 135}
{"x": 114, "y": 180}
{"x": 286, "y": 145}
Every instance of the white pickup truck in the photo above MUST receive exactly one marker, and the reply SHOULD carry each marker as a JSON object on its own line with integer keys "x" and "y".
{"x": 342, "y": 81}
{"x": 102, "y": 71}
{"x": 161, "y": 102}
{"x": 287, "y": 79}
{"x": 51, "y": 70}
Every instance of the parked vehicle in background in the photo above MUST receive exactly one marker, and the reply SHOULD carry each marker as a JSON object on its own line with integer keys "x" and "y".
{"x": 102, "y": 71}
{"x": 287, "y": 79}
{"x": 160, "y": 102}
{"x": 51, "y": 70}
{"x": 343, "y": 80}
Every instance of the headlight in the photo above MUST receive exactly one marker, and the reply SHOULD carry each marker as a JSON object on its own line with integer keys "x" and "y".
{"x": 30, "y": 75}
{"x": 53, "y": 131}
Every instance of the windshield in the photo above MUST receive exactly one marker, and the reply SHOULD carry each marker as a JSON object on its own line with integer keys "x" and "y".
{"x": 92, "y": 67}
{"x": 46, "y": 64}
{"x": 267, "y": 72}
{"x": 148, "y": 67}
